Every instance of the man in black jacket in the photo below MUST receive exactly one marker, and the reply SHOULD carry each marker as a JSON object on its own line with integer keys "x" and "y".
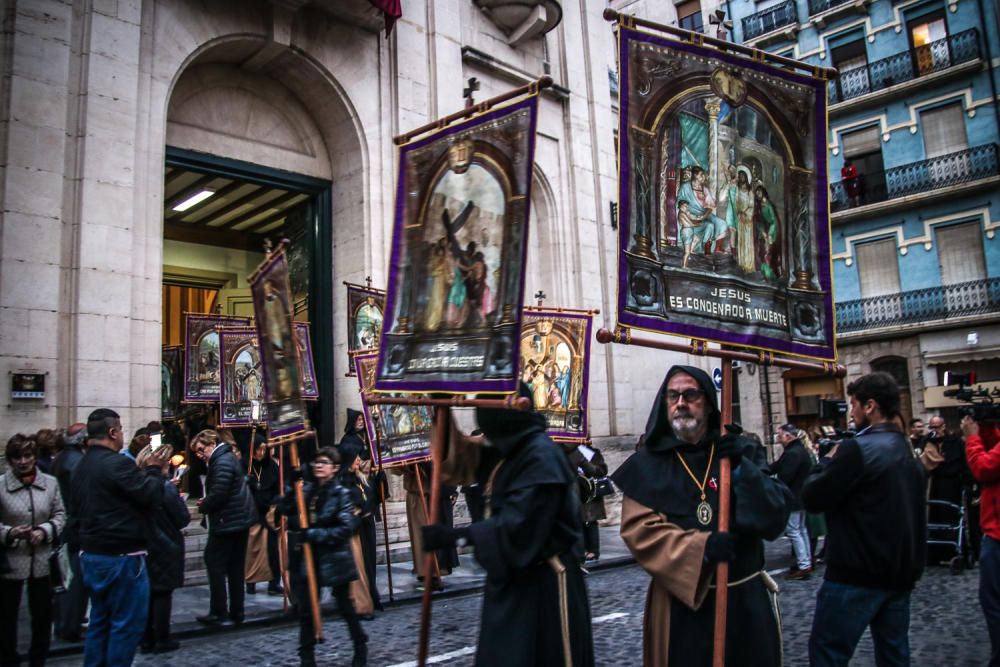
{"x": 792, "y": 468}
{"x": 111, "y": 500}
{"x": 229, "y": 508}
{"x": 872, "y": 491}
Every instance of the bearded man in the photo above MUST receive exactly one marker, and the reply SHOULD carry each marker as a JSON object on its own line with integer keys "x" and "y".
{"x": 670, "y": 524}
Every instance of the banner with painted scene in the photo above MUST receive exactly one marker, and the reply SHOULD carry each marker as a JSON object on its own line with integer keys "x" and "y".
{"x": 456, "y": 281}
{"x": 171, "y": 381}
{"x": 723, "y": 199}
{"x": 279, "y": 352}
{"x": 555, "y": 364}
{"x": 202, "y": 361}
{"x": 307, "y": 380}
{"x": 365, "y": 309}
{"x": 399, "y": 434}
{"x": 242, "y": 391}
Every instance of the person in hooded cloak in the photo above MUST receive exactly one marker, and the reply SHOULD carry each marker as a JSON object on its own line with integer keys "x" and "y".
{"x": 670, "y": 524}
{"x": 531, "y": 546}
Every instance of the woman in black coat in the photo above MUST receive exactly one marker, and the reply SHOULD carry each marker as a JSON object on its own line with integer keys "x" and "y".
{"x": 165, "y": 561}
{"x": 364, "y": 491}
{"x": 332, "y": 523}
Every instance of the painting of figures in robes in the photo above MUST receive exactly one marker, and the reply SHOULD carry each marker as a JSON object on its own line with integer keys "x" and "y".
{"x": 725, "y": 231}
{"x": 307, "y": 379}
{"x": 171, "y": 382}
{"x": 242, "y": 377}
{"x": 555, "y": 354}
{"x": 203, "y": 361}
{"x": 365, "y": 308}
{"x": 399, "y": 434}
{"x": 279, "y": 351}
{"x": 456, "y": 280}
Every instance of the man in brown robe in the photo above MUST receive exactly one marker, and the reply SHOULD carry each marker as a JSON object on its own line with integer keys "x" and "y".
{"x": 669, "y": 523}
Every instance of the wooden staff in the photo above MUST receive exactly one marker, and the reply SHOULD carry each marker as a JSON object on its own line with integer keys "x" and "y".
{"x": 527, "y": 89}
{"x": 283, "y": 543}
{"x": 439, "y": 433}
{"x": 381, "y": 498}
{"x": 721, "y": 44}
{"x": 623, "y": 336}
{"x": 427, "y": 519}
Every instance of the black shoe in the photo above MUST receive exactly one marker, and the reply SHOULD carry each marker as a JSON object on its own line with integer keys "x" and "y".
{"x": 167, "y": 646}
{"x": 360, "y": 655}
{"x": 251, "y": 589}
{"x": 145, "y": 648}
{"x": 275, "y": 589}
{"x": 210, "y": 619}
{"x": 71, "y": 638}
{"x": 236, "y": 620}
{"x": 307, "y": 659}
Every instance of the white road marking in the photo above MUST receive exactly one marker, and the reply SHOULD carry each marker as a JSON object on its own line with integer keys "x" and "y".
{"x": 609, "y": 617}
{"x": 468, "y": 650}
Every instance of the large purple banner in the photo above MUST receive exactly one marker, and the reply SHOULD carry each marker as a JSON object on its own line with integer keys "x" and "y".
{"x": 202, "y": 361}
{"x": 723, "y": 200}
{"x": 399, "y": 434}
{"x": 456, "y": 281}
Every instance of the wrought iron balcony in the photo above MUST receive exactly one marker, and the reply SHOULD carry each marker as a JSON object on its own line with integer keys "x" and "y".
{"x": 923, "y": 60}
{"x": 819, "y": 6}
{"x": 919, "y": 306}
{"x": 934, "y": 173}
{"x": 770, "y": 19}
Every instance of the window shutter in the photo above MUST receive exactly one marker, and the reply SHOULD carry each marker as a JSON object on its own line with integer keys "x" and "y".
{"x": 878, "y": 268}
{"x": 862, "y": 142}
{"x": 944, "y": 130}
{"x": 960, "y": 253}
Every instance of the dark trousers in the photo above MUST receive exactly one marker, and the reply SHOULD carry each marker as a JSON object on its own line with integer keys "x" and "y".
{"x": 72, "y": 604}
{"x": 592, "y": 538}
{"x": 272, "y": 556}
{"x": 844, "y": 611}
{"x": 158, "y": 621}
{"x": 225, "y": 560}
{"x": 369, "y": 551}
{"x": 989, "y": 593}
{"x": 40, "y": 608}
{"x": 307, "y": 637}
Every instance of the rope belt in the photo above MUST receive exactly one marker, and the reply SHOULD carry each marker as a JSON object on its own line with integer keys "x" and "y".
{"x": 560, "y": 571}
{"x": 768, "y": 581}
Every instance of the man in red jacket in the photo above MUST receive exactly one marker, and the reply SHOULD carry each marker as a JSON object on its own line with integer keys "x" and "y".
{"x": 984, "y": 460}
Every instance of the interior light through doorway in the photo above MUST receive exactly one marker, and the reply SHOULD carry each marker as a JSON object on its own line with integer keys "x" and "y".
{"x": 194, "y": 199}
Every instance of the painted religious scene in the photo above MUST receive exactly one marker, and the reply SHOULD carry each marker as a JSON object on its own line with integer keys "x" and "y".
{"x": 202, "y": 371}
{"x": 279, "y": 352}
{"x": 459, "y": 246}
{"x": 365, "y": 308}
{"x": 242, "y": 377}
{"x": 555, "y": 350}
{"x": 171, "y": 382}
{"x": 398, "y": 434}
{"x": 307, "y": 378}
{"x": 725, "y": 233}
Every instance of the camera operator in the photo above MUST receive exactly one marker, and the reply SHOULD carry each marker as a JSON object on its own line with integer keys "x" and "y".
{"x": 984, "y": 461}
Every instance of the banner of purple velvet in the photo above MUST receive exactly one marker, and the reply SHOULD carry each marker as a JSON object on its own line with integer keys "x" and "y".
{"x": 555, "y": 364}
{"x": 724, "y": 228}
{"x": 242, "y": 379}
{"x": 365, "y": 310}
{"x": 279, "y": 352}
{"x": 456, "y": 281}
{"x": 398, "y": 434}
{"x": 202, "y": 362}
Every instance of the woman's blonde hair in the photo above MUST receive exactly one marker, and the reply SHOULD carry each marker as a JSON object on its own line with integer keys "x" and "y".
{"x": 208, "y": 436}
{"x": 147, "y": 451}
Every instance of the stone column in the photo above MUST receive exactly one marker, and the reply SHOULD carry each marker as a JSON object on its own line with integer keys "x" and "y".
{"x": 712, "y": 107}
{"x": 643, "y": 174}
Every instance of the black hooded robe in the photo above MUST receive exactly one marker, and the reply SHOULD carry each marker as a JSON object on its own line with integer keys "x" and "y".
{"x": 660, "y": 529}
{"x": 534, "y": 515}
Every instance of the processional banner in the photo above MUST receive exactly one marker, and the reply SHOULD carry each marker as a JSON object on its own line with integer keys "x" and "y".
{"x": 456, "y": 281}
{"x": 365, "y": 308}
{"x": 279, "y": 352}
{"x": 399, "y": 434}
{"x": 307, "y": 382}
{"x": 242, "y": 377}
{"x": 555, "y": 364}
{"x": 725, "y": 232}
{"x": 202, "y": 366}
{"x": 171, "y": 382}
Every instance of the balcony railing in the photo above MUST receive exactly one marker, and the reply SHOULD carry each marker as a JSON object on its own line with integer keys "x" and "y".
{"x": 932, "y": 174}
{"x": 923, "y": 305}
{"x": 923, "y": 60}
{"x": 819, "y": 6}
{"x": 770, "y": 19}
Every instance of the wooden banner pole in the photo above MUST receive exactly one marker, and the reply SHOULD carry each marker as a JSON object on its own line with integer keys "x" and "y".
{"x": 385, "y": 532}
{"x": 283, "y": 542}
{"x": 437, "y": 454}
{"x": 722, "y": 567}
{"x": 512, "y": 402}
{"x": 427, "y": 520}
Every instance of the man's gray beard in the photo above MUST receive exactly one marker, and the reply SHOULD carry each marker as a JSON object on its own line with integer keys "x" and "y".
{"x": 687, "y": 428}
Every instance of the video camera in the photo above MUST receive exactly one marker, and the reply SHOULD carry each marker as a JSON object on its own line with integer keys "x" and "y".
{"x": 980, "y": 404}
{"x": 831, "y": 437}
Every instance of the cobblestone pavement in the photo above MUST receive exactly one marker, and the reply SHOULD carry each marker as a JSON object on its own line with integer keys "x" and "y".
{"x": 947, "y": 628}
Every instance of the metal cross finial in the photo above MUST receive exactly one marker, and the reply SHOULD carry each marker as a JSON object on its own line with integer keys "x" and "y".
{"x": 540, "y": 297}
{"x": 368, "y": 281}
{"x": 467, "y": 92}
{"x": 268, "y": 246}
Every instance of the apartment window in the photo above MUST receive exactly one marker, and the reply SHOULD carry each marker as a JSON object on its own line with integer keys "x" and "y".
{"x": 852, "y": 61}
{"x": 944, "y": 130}
{"x": 863, "y": 149}
{"x": 928, "y": 40}
{"x": 960, "y": 253}
{"x": 878, "y": 272}
{"x": 689, "y": 16}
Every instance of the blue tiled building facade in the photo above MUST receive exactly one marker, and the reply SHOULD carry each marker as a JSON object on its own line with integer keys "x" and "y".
{"x": 913, "y": 142}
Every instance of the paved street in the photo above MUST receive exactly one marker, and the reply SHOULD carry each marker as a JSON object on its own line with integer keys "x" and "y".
{"x": 947, "y": 627}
